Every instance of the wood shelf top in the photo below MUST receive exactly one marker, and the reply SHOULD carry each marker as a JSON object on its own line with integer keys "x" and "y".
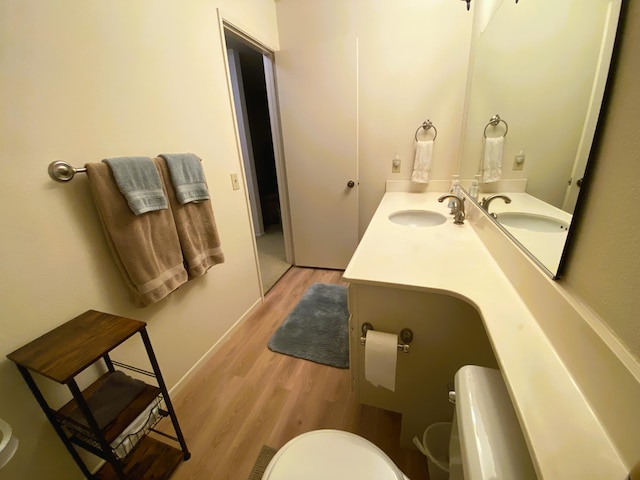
{"x": 68, "y": 349}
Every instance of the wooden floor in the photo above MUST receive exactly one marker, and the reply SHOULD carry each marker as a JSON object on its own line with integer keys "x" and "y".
{"x": 247, "y": 396}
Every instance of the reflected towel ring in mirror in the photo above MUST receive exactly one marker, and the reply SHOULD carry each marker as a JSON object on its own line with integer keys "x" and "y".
{"x": 426, "y": 126}
{"x": 495, "y": 120}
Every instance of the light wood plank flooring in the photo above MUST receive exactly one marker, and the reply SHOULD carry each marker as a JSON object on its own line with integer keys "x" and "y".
{"x": 247, "y": 396}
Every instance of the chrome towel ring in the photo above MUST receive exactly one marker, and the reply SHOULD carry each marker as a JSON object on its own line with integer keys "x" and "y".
{"x": 495, "y": 120}
{"x": 426, "y": 126}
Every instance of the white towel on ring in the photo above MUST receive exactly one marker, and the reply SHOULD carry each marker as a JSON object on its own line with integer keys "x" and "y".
{"x": 422, "y": 161}
{"x": 492, "y": 159}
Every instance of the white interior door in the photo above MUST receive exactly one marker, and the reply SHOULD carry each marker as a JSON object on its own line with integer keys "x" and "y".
{"x": 317, "y": 89}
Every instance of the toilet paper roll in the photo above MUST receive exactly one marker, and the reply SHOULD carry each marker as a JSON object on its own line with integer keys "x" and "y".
{"x": 380, "y": 355}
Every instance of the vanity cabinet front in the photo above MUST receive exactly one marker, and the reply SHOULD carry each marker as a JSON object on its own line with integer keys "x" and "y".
{"x": 447, "y": 334}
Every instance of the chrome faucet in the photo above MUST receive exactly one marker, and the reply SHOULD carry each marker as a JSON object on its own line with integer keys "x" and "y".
{"x": 458, "y": 208}
{"x": 487, "y": 200}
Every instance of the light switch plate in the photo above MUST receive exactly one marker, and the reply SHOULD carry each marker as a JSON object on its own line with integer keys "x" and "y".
{"x": 234, "y": 181}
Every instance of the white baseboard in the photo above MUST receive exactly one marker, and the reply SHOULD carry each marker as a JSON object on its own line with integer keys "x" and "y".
{"x": 173, "y": 391}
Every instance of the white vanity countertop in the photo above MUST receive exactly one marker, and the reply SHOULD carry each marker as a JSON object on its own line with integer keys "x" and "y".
{"x": 565, "y": 438}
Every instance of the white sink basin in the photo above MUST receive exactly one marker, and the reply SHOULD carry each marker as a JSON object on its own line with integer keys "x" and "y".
{"x": 532, "y": 222}
{"x": 417, "y": 218}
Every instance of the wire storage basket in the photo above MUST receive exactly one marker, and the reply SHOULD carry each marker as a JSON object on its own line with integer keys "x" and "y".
{"x": 128, "y": 439}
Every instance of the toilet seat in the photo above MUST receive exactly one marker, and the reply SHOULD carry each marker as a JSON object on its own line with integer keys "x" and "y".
{"x": 334, "y": 454}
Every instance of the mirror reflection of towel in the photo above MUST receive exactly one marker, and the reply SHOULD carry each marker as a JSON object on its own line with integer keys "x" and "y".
{"x": 422, "y": 161}
{"x": 492, "y": 159}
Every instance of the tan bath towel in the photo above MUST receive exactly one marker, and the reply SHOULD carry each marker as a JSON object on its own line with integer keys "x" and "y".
{"x": 196, "y": 227}
{"x": 145, "y": 247}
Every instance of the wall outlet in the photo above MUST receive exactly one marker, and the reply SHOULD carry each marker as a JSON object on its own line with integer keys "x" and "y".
{"x": 234, "y": 181}
{"x": 518, "y": 162}
{"x": 395, "y": 165}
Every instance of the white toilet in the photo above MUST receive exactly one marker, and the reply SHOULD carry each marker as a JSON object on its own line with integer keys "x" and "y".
{"x": 486, "y": 442}
{"x": 331, "y": 454}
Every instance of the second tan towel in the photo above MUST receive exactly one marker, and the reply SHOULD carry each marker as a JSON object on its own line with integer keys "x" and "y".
{"x": 196, "y": 228}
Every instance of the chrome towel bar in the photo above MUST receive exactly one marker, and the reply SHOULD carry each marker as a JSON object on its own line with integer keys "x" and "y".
{"x": 62, "y": 171}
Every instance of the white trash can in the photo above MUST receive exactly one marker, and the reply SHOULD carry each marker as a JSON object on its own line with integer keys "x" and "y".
{"x": 435, "y": 446}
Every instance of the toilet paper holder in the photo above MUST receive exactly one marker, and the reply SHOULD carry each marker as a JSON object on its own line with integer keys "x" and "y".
{"x": 406, "y": 335}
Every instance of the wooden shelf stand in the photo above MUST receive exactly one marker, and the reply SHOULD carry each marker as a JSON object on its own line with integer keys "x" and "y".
{"x": 61, "y": 354}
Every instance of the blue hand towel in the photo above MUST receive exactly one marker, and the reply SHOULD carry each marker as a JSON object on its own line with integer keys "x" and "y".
{"x": 140, "y": 183}
{"x": 187, "y": 177}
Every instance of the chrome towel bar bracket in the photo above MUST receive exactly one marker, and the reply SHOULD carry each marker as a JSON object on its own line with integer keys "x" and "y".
{"x": 406, "y": 335}
{"x": 62, "y": 171}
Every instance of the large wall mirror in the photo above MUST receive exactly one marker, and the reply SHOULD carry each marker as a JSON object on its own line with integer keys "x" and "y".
{"x": 541, "y": 65}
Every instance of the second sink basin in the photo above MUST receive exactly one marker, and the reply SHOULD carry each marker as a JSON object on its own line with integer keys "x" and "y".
{"x": 532, "y": 222}
{"x": 417, "y": 218}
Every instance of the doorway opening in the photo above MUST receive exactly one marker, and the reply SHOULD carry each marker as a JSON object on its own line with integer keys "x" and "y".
{"x": 253, "y": 85}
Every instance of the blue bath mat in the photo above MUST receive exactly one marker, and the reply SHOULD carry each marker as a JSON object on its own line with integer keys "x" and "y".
{"x": 317, "y": 329}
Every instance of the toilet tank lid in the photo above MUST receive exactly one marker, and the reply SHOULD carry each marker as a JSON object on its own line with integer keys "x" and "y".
{"x": 491, "y": 439}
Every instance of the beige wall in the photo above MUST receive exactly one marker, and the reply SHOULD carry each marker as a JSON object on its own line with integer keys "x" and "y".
{"x": 605, "y": 265}
{"x": 81, "y": 81}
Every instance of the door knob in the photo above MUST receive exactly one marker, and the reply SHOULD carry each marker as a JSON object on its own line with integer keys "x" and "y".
{"x": 351, "y": 184}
